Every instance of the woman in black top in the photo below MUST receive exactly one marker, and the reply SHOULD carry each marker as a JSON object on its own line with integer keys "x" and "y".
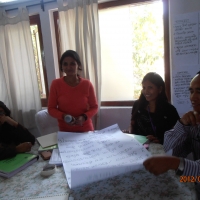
{"x": 152, "y": 115}
{"x": 14, "y": 138}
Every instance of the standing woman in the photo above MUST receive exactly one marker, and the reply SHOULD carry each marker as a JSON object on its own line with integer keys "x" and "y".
{"x": 72, "y": 95}
{"x": 152, "y": 115}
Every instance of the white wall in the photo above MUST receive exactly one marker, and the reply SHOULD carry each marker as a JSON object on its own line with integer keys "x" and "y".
{"x": 113, "y": 115}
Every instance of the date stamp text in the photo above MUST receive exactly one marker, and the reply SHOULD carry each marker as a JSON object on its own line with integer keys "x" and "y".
{"x": 191, "y": 179}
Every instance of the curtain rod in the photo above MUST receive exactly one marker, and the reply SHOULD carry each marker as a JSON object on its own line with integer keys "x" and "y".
{"x": 41, "y": 3}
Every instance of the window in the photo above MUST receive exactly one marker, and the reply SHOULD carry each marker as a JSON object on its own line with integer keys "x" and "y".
{"x": 39, "y": 58}
{"x": 133, "y": 43}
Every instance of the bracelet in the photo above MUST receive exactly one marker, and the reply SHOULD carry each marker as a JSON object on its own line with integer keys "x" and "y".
{"x": 85, "y": 116}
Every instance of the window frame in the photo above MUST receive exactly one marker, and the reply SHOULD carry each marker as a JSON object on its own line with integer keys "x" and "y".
{"x": 166, "y": 44}
{"x": 35, "y": 20}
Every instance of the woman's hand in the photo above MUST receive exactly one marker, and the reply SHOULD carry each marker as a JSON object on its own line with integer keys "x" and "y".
{"x": 191, "y": 118}
{"x": 23, "y": 147}
{"x": 79, "y": 120}
{"x": 153, "y": 139}
{"x": 4, "y": 118}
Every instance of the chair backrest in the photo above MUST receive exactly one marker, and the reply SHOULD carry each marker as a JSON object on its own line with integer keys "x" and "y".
{"x": 45, "y": 123}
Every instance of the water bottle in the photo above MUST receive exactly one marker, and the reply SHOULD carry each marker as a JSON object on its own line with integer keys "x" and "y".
{"x": 69, "y": 119}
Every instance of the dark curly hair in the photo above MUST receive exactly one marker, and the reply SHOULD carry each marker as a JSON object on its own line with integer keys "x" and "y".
{"x": 72, "y": 54}
{"x": 6, "y": 110}
{"x": 157, "y": 80}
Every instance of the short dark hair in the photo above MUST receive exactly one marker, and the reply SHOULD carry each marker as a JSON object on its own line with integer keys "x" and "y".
{"x": 6, "y": 110}
{"x": 157, "y": 80}
{"x": 72, "y": 54}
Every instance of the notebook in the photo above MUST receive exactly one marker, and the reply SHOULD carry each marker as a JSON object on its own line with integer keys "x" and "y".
{"x": 48, "y": 140}
{"x": 140, "y": 138}
{"x": 50, "y": 148}
{"x": 10, "y": 167}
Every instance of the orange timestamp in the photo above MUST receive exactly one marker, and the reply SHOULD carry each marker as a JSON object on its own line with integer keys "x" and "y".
{"x": 191, "y": 179}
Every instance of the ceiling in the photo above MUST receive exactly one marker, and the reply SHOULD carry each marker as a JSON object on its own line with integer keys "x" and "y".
{"x": 12, "y": 2}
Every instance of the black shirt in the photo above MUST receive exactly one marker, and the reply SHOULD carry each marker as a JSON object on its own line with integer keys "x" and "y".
{"x": 10, "y": 137}
{"x": 147, "y": 123}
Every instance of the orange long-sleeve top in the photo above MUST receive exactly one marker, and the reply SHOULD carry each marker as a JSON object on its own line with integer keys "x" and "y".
{"x": 65, "y": 99}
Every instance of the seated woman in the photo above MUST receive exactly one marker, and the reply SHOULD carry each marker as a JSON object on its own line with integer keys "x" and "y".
{"x": 152, "y": 115}
{"x": 14, "y": 138}
{"x": 72, "y": 95}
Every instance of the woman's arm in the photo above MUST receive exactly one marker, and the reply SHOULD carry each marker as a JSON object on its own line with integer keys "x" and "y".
{"x": 24, "y": 135}
{"x": 92, "y": 101}
{"x": 52, "y": 102}
{"x": 4, "y": 118}
{"x": 20, "y": 134}
{"x": 9, "y": 151}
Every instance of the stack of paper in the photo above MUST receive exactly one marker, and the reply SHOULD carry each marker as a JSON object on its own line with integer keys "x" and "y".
{"x": 48, "y": 140}
{"x": 55, "y": 158}
{"x": 49, "y": 148}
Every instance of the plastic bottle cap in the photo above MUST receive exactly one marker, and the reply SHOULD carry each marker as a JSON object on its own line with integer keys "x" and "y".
{"x": 68, "y": 118}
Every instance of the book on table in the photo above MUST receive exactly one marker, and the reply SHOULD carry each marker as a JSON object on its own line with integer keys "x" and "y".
{"x": 49, "y": 148}
{"x": 10, "y": 167}
{"x": 48, "y": 140}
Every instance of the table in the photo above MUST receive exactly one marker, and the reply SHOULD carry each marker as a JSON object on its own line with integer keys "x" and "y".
{"x": 28, "y": 184}
{"x": 139, "y": 185}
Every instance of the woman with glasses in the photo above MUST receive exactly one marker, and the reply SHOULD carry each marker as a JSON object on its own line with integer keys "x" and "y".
{"x": 14, "y": 138}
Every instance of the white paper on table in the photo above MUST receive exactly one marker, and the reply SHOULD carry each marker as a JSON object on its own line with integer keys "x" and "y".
{"x": 99, "y": 152}
{"x": 48, "y": 140}
{"x": 55, "y": 157}
{"x": 89, "y": 175}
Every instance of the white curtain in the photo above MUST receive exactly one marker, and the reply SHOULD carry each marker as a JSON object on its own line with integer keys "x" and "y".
{"x": 18, "y": 80}
{"x": 79, "y": 30}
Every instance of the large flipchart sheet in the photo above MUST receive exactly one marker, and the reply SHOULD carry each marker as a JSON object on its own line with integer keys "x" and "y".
{"x": 186, "y": 58}
{"x": 93, "y": 156}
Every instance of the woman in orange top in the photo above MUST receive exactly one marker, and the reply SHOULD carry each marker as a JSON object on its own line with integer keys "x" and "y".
{"x": 72, "y": 95}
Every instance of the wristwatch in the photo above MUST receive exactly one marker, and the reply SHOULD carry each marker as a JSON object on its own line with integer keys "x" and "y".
{"x": 181, "y": 166}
